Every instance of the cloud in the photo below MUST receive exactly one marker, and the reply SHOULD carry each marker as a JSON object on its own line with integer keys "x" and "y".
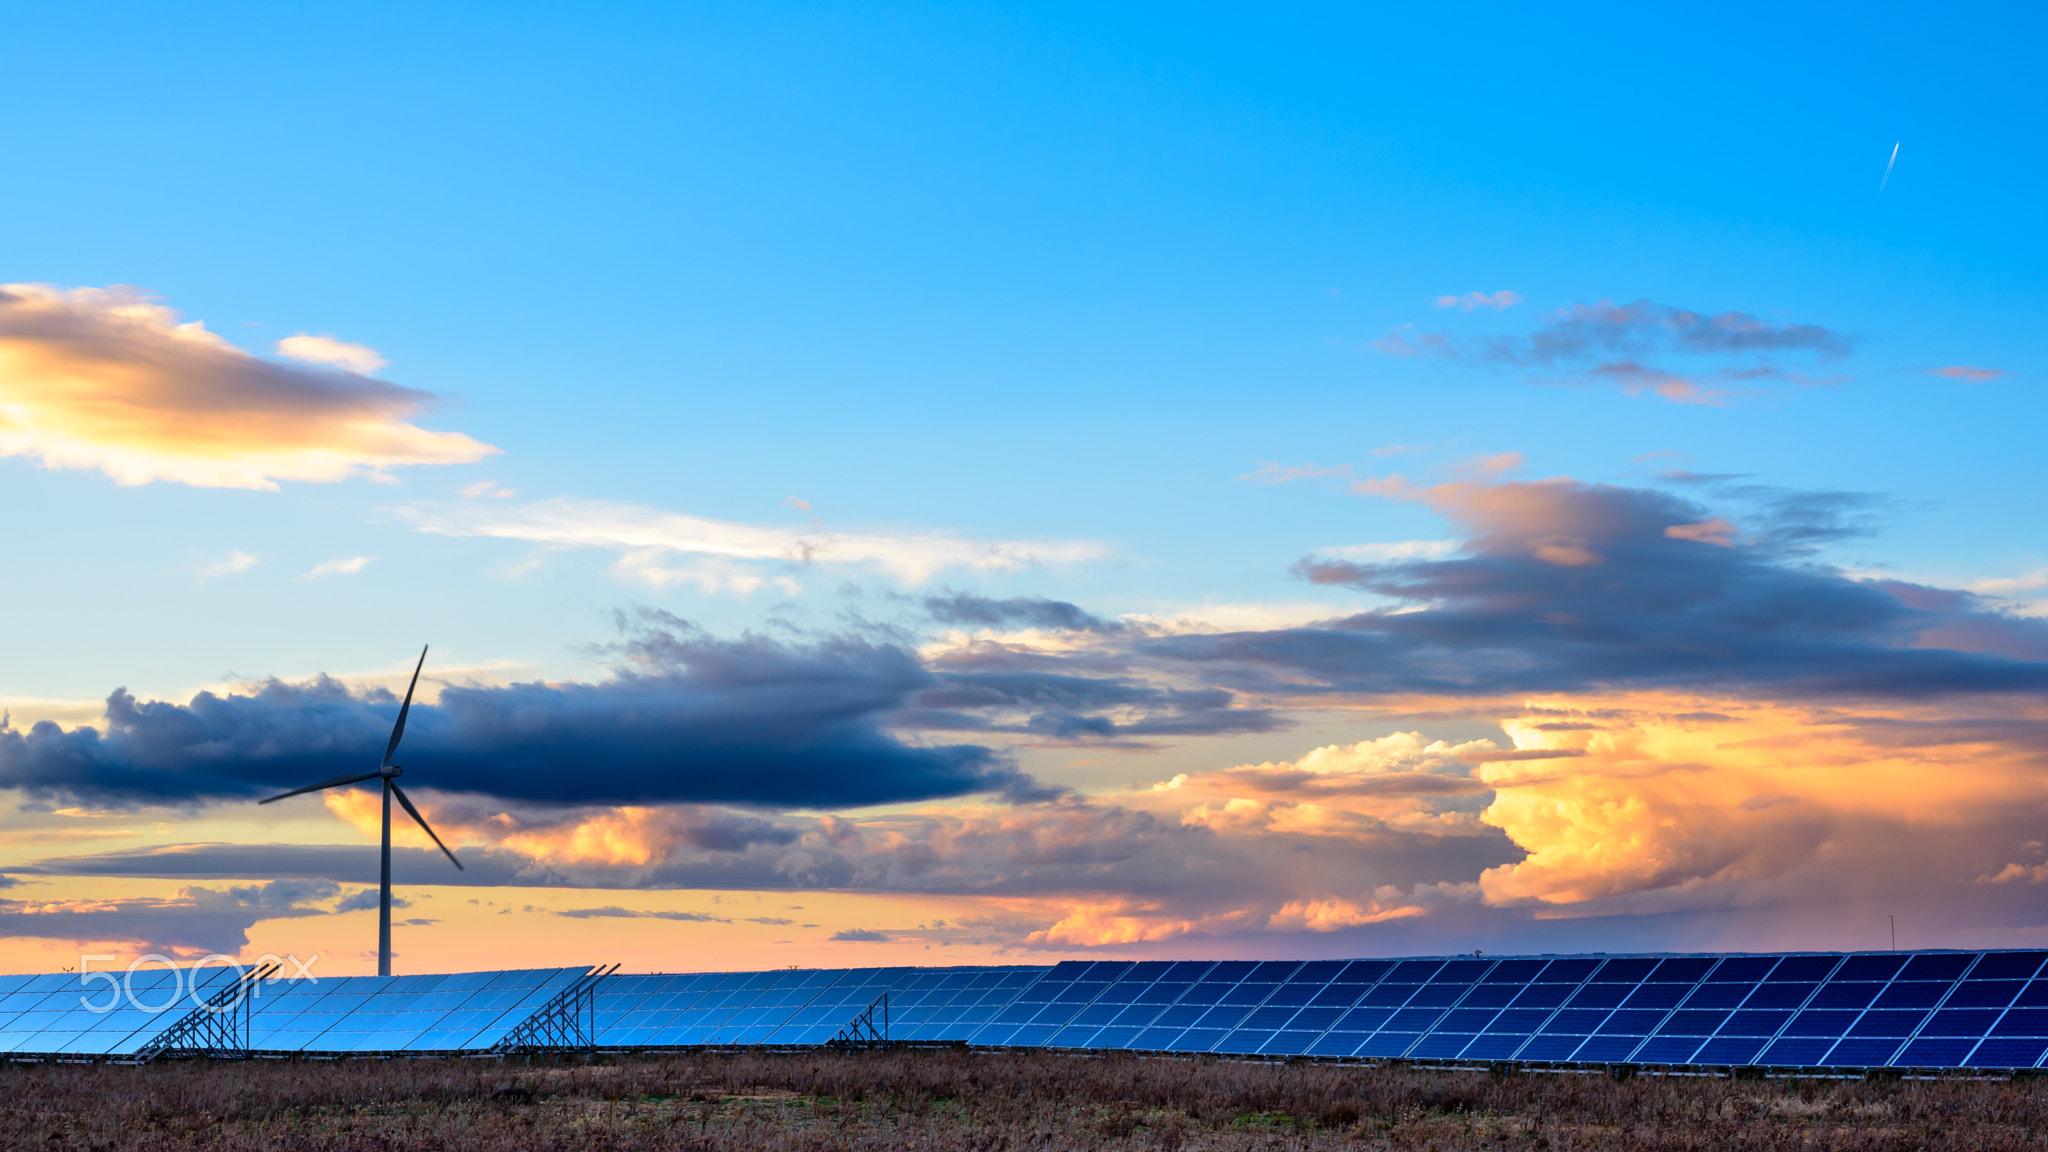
{"x": 368, "y": 900}
{"x": 1398, "y": 813}
{"x": 339, "y": 863}
{"x": 1390, "y": 550}
{"x": 1585, "y": 332}
{"x": 233, "y": 564}
{"x": 1969, "y": 375}
{"x": 108, "y": 379}
{"x": 1766, "y": 803}
{"x": 2014, "y": 590}
{"x": 341, "y": 566}
{"x": 687, "y": 717}
{"x": 333, "y": 353}
{"x": 996, "y": 687}
{"x": 1646, "y": 804}
{"x": 1332, "y": 913}
{"x": 1499, "y": 301}
{"x": 1636, "y": 704}
{"x": 969, "y": 609}
{"x": 614, "y": 912}
{"x": 1719, "y": 357}
{"x": 1566, "y": 586}
{"x": 724, "y": 554}
{"x": 195, "y": 922}
{"x": 1404, "y": 342}
{"x": 630, "y": 836}
{"x": 862, "y": 935}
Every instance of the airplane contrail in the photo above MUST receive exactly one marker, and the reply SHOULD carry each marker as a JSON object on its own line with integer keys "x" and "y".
{"x": 1888, "y": 168}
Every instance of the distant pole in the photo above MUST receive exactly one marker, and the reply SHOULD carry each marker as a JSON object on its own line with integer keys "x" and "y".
{"x": 1895, "y": 932}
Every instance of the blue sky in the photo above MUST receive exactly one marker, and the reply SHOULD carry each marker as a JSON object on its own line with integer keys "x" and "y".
{"x": 1077, "y": 281}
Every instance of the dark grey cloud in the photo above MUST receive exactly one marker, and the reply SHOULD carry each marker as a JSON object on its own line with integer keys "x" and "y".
{"x": 1677, "y": 353}
{"x": 861, "y": 935}
{"x": 1616, "y": 333}
{"x": 1788, "y": 520}
{"x": 1057, "y": 707}
{"x": 1564, "y": 586}
{"x": 687, "y": 718}
{"x": 335, "y": 863}
{"x": 966, "y": 608}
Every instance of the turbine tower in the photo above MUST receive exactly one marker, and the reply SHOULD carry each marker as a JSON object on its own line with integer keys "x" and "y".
{"x": 388, "y": 773}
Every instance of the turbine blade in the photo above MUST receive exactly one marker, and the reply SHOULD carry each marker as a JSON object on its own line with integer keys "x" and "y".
{"x": 338, "y": 781}
{"x": 422, "y": 820}
{"x": 398, "y": 729}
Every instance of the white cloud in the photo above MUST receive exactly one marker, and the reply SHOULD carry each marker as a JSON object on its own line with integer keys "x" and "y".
{"x": 1235, "y": 616}
{"x": 2026, "y": 594}
{"x": 722, "y": 553}
{"x": 334, "y": 353}
{"x": 234, "y": 564}
{"x": 342, "y": 566}
{"x": 2034, "y": 581}
{"x": 1392, "y": 550}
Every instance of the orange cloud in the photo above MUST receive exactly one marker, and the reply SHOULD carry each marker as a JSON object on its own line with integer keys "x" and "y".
{"x": 1678, "y": 802}
{"x": 1715, "y": 531}
{"x": 1332, "y": 913}
{"x": 1095, "y": 923}
{"x": 627, "y": 836}
{"x": 108, "y": 379}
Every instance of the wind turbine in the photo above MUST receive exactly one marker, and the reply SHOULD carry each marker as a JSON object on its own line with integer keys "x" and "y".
{"x": 388, "y": 773}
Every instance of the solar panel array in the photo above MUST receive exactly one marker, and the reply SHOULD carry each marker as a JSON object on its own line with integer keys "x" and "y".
{"x": 1926, "y": 1010}
{"x": 460, "y": 1012}
{"x": 52, "y": 1015}
{"x": 1867, "y": 1010}
{"x": 795, "y": 1007}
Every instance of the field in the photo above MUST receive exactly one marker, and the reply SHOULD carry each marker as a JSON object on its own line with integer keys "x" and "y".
{"x": 945, "y": 1101}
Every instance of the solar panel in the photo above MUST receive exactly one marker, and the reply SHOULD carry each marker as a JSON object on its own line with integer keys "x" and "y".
{"x": 80, "y": 1016}
{"x": 468, "y": 1011}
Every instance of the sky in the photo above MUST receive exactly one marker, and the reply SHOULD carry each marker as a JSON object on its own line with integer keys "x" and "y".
{"x": 940, "y": 484}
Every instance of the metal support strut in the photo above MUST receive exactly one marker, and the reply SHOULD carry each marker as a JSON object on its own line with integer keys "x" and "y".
{"x": 218, "y": 1028}
{"x": 861, "y": 1031}
{"x": 567, "y": 1022}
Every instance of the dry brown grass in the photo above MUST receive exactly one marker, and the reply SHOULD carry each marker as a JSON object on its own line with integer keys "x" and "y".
{"x": 974, "y": 1102}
